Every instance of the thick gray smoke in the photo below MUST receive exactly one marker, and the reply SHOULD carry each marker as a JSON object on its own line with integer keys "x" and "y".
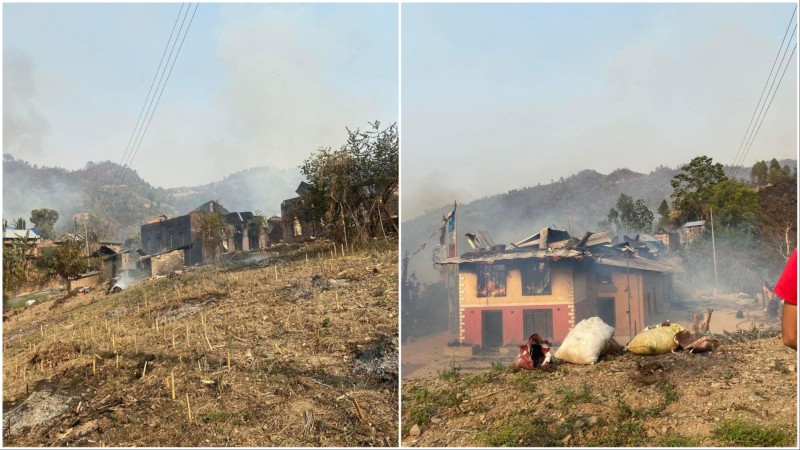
{"x": 24, "y": 126}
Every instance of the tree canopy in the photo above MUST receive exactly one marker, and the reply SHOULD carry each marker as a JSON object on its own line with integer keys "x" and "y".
{"x": 44, "y": 220}
{"x": 67, "y": 261}
{"x": 211, "y": 228}
{"x": 351, "y": 186}
{"x": 692, "y": 188}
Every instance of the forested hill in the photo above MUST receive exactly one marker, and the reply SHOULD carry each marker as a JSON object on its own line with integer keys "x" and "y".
{"x": 27, "y": 187}
{"x": 576, "y": 203}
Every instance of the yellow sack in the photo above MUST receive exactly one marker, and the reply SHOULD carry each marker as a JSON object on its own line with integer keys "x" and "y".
{"x": 655, "y": 341}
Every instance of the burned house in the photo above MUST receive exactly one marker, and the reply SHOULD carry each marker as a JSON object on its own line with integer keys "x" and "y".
{"x": 162, "y": 263}
{"x": 669, "y": 238}
{"x": 297, "y": 219}
{"x": 549, "y": 281}
{"x": 243, "y": 231}
{"x": 274, "y": 230}
{"x": 246, "y": 232}
{"x": 116, "y": 264}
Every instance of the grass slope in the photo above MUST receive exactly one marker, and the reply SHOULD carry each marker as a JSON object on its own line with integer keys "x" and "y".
{"x": 302, "y": 352}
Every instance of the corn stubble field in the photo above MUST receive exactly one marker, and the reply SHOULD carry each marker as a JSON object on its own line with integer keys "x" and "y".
{"x": 298, "y": 351}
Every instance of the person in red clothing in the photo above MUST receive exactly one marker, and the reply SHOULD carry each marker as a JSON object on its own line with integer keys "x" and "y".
{"x": 786, "y": 288}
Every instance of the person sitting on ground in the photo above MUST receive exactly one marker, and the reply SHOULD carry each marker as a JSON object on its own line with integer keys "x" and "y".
{"x": 539, "y": 349}
{"x": 786, "y": 288}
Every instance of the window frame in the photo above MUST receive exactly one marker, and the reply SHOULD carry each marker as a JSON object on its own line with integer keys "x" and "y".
{"x": 604, "y": 275}
{"x": 493, "y": 270}
{"x": 527, "y": 270}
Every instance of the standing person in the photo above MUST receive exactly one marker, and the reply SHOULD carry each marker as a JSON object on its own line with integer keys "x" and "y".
{"x": 766, "y": 295}
{"x": 786, "y": 288}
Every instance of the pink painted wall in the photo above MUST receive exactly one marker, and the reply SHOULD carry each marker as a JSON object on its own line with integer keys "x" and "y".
{"x": 513, "y": 323}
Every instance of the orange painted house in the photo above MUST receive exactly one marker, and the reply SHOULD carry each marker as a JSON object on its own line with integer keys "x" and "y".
{"x": 550, "y": 281}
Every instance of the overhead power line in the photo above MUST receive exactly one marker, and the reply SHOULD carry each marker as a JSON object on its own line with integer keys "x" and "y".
{"x": 758, "y": 118}
{"x": 143, "y": 125}
{"x": 128, "y": 148}
{"x": 770, "y": 102}
{"x": 760, "y": 97}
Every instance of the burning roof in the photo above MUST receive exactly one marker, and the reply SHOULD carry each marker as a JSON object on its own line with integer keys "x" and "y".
{"x": 556, "y": 244}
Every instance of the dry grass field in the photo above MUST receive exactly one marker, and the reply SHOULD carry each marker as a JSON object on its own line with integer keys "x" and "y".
{"x": 297, "y": 350}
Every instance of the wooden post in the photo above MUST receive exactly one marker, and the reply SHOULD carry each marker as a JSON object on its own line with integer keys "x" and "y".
{"x": 172, "y": 380}
{"x": 188, "y": 407}
{"x": 205, "y": 331}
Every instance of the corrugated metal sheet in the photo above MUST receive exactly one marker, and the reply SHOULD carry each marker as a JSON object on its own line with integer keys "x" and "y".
{"x": 637, "y": 263}
{"x": 698, "y": 223}
{"x": 490, "y": 257}
{"x": 21, "y": 234}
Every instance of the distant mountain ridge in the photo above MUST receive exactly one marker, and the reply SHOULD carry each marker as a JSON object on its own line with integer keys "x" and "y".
{"x": 70, "y": 192}
{"x": 576, "y": 203}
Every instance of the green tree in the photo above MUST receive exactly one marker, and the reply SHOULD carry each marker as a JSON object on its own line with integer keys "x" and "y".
{"x": 735, "y": 205}
{"x": 777, "y": 227}
{"x": 776, "y": 172}
{"x": 17, "y": 266}
{"x": 211, "y": 228}
{"x": 692, "y": 188}
{"x": 350, "y": 187}
{"x": 634, "y": 215}
{"x": 20, "y": 224}
{"x": 67, "y": 262}
{"x": 44, "y": 220}
{"x": 663, "y": 213}
{"x": 642, "y": 220}
{"x": 758, "y": 174}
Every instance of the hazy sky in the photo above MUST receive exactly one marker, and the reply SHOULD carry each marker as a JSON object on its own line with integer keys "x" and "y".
{"x": 254, "y": 84}
{"x": 497, "y": 97}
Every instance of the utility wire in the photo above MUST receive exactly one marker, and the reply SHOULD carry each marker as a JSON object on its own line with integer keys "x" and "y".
{"x": 747, "y": 132}
{"x": 148, "y": 117}
{"x": 770, "y": 101}
{"x": 765, "y": 106}
{"x": 136, "y": 150}
{"x": 139, "y": 121}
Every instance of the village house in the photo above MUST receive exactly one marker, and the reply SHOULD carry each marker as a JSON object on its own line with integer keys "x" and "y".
{"x": 29, "y": 236}
{"x": 243, "y": 231}
{"x": 549, "y": 281}
{"x": 691, "y": 230}
{"x": 298, "y": 225}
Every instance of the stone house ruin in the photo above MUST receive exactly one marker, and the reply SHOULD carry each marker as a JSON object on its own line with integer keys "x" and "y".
{"x": 243, "y": 231}
{"x": 296, "y": 217}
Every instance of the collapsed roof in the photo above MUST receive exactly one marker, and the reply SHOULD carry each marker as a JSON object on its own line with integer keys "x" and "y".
{"x": 556, "y": 244}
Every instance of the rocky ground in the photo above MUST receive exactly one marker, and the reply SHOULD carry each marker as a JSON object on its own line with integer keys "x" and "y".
{"x": 743, "y": 394}
{"x": 298, "y": 348}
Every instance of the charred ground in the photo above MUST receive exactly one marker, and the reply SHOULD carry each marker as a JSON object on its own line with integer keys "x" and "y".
{"x": 298, "y": 351}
